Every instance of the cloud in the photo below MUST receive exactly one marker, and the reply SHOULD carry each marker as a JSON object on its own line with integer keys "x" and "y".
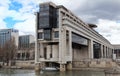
{"x": 25, "y": 16}
{"x": 110, "y": 30}
{"x": 2, "y": 24}
{"x": 104, "y": 13}
{"x": 4, "y": 5}
{"x": 27, "y": 26}
{"x": 93, "y": 10}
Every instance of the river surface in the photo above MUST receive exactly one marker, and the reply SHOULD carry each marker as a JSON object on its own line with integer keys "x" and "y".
{"x": 21, "y": 72}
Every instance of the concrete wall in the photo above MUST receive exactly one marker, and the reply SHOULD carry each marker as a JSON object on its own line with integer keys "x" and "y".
{"x": 25, "y": 64}
{"x": 99, "y": 63}
{"x": 80, "y": 52}
{"x": 55, "y": 51}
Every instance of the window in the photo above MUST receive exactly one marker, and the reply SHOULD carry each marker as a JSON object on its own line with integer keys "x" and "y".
{"x": 40, "y": 35}
{"x": 44, "y": 22}
{"x": 56, "y": 34}
{"x": 47, "y": 34}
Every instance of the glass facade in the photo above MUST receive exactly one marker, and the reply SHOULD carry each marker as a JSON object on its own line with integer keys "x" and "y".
{"x": 47, "y": 19}
{"x": 24, "y": 42}
{"x": 97, "y": 49}
{"x": 40, "y": 35}
{"x": 47, "y": 34}
{"x": 5, "y": 35}
{"x": 79, "y": 39}
{"x": 56, "y": 34}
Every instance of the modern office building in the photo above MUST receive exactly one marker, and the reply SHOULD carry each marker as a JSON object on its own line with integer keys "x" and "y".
{"x": 8, "y": 34}
{"x": 63, "y": 40}
{"x": 25, "y": 41}
{"x": 26, "y": 47}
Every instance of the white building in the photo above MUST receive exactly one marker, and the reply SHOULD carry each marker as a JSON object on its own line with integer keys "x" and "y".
{"x": 62, "y": 39}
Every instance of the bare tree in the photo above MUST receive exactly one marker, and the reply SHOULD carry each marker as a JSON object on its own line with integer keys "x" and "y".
{"x": 9, "y": 51}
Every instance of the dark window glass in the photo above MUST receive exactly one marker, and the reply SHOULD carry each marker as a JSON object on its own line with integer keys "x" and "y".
{"x": 96, "y": 50}
{"x": 40, "y": 35}
{"x": 44, "y": 22}
{"x": 79, "y": 39}
{"x": 56, "y": 34}
{"x": 48, "y": 17}
{"x": 47, "y": 34}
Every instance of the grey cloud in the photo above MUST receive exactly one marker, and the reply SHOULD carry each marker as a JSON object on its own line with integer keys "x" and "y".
{"x": 99, "y": 9}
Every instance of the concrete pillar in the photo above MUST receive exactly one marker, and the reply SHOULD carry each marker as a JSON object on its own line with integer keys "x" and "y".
{"x": 62, "y": 45}
{"x": 101, "y": 51}
{"x": 62, "y": 67}
{"x": 37, "y": 67}
{"x": 104, "y": 52}
{"x": 69, "y": 66}
{"x": 91, "y": 49}
{"x": 48, "y": 51}
{"x": 70, "y": 44}
{"x": 36, "y": 39}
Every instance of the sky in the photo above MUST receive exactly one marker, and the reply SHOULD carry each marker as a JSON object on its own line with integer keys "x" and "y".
{"x": 19, "y": 14}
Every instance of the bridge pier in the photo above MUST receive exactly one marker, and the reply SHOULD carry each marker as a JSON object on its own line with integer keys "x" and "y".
{"x": 69, "y": 66}
{"x": 62, "y": 67}
{"x": 37, "y": 67}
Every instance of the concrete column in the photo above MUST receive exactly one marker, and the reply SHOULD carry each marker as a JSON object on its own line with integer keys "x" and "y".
{"x": 62, "y": 67}
{"x": 48, "y": 51}
{"x": 62, "y": 46}
{"x": 91, "y": 49}
{"x": 36, "y": 39}
{"x": 69, "y": 66}
{"x": 37, "y": 67}
{"x": 41, "y": 50}
{"x": 70, "y": 44}
{"x": 105, "y": 51}
{"x": 101, "y": 51}
{"x": 36, "y": 51}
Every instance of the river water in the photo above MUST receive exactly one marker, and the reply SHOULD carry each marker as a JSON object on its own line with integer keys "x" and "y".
{"x": 21, "y": 72}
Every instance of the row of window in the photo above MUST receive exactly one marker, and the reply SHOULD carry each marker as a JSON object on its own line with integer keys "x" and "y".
{"x": 46, "y": 35}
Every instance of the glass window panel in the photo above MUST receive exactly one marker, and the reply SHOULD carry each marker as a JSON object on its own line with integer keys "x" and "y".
{"x": 56, "y": 34}
{"x": 47, "y": 34}
{"x": 40, "y": 35}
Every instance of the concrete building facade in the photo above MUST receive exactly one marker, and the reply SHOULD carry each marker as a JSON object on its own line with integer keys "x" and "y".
{"x": 63, "y": 40}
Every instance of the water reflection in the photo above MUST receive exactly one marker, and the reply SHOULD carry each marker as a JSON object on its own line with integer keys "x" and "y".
{"x": 21, "y": 72}
{"x": 72, "y": 73}
{"x": 16, "y": 72}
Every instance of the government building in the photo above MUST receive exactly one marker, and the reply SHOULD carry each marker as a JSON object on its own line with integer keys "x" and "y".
{"x": 63, "y": 40}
